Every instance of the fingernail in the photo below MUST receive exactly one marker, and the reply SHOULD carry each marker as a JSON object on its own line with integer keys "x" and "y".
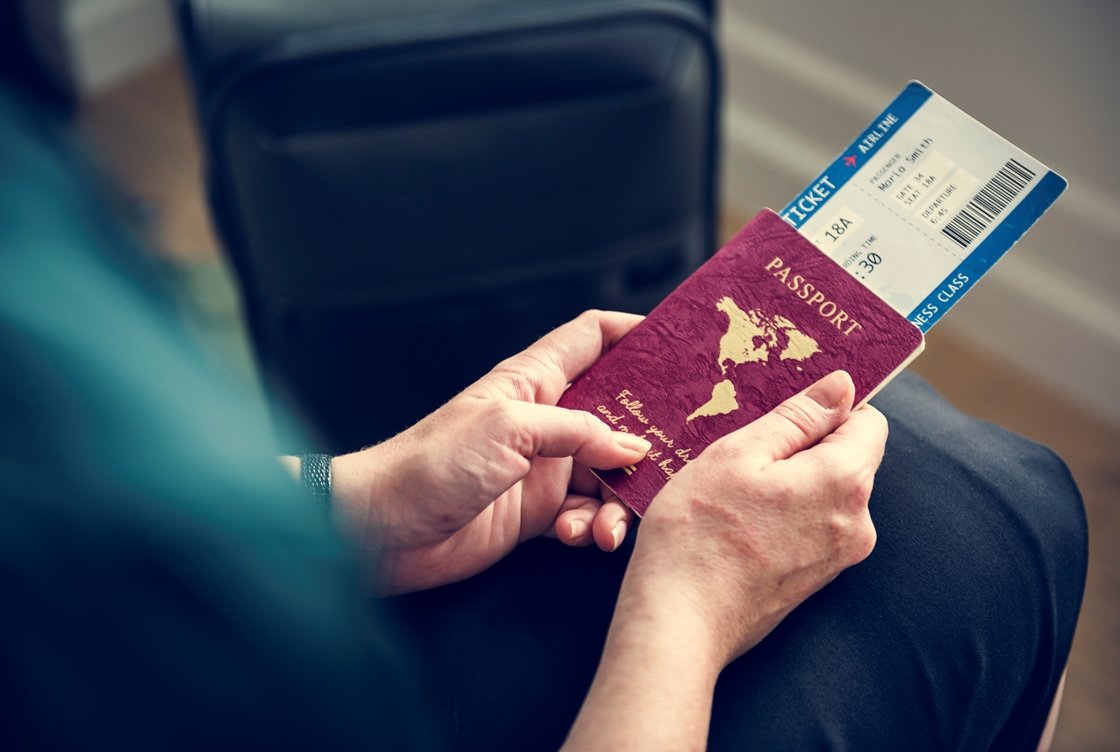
{"x": 618, "y": 533}
{"x": 577, "y": 528}
{"x": 831, "y": 391}
{"x": 632, "y": 443}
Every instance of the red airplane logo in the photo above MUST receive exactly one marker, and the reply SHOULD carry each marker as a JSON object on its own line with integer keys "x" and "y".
{"x": 850, "y": 161}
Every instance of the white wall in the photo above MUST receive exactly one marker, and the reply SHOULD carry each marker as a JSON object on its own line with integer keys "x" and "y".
{"x": 803, "y": 78}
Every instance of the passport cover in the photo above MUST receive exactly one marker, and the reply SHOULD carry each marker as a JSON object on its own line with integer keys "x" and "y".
{"x": 760, "y": 321}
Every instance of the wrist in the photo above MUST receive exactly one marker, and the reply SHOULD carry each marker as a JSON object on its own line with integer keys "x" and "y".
{"x": 354, "y": 493}
{"x": 349, "y": 496}
{"x": 650, "y": 613}
{"x": 665, "y": 587}
{"x": 655, "y": 681}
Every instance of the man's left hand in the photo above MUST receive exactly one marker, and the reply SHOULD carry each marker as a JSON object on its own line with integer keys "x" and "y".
{"x": 497, "y": 465}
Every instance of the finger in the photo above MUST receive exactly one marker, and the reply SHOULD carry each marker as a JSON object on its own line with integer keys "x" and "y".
{"x": 543, "y": 430}
{"x": 574, "y": 523}
{"x": 583, "y": 480}
{"x": 799, "y": 422}
{"x": 855, "y": 447}
{"x": 862, "y": 437}
{"x": 865, "y": 432}
{"x": 611, "y": 523}
{"x": 542, "y": 371}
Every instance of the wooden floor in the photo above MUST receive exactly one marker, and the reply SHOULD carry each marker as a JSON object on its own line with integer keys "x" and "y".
{"x": 144, "y": 132}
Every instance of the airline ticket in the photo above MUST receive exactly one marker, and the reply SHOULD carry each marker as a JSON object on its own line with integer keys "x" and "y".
{"x": 923, "y": 203}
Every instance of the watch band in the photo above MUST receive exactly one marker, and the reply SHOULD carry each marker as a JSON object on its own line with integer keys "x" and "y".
{"x": 315, "y": 475}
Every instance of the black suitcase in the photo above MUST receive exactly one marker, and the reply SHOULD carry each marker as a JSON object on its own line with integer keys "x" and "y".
{"x": 410, "y": 191}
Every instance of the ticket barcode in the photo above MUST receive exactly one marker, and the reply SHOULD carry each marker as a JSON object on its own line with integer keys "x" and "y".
{"x": 988, "y": 203}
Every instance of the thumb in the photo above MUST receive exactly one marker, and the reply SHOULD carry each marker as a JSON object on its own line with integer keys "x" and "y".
{"x": 802, "y": 420}
{"x": 548, "y": 431}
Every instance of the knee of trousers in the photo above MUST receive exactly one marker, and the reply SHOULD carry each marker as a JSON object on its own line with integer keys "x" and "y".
{"x": 953, "y": 633}
{"x": 937, "y": 455}
{"x": 985, "y": 535}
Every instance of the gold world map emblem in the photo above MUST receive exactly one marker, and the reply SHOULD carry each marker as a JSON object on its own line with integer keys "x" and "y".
{"x": 752, "y": 337}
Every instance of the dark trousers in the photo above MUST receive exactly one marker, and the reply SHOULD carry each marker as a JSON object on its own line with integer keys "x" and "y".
{"x": 952, "y": 635}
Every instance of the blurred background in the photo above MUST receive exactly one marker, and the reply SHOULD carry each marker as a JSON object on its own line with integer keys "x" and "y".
{"x": 747, "y": 105}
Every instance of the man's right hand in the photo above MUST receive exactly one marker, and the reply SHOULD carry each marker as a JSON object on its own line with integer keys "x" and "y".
{"x": 764, "y": 518}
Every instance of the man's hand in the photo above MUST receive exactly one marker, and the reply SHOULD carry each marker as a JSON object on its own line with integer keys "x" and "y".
{"x": 492, "y": 468}
{"x": 765, "y": 517}
{"x": 760, "y": 521}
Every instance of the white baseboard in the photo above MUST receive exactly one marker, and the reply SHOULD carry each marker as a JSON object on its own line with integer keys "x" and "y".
{"x": 1059, "y": 330}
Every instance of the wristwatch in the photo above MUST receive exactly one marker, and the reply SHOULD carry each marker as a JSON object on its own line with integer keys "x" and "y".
{"x": 315, "y": 475}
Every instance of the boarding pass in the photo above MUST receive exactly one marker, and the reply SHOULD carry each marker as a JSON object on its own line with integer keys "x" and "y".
{"x": 923, "y": 203}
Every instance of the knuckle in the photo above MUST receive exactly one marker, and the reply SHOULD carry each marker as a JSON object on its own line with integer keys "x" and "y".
{"x": 511, "y": 379}
{"x": 590, "y": 316}
{"x": 798, "y": 414}
{"x": 586, "y": 429}
{"x": 541, "y": 359}
{"x": 587, "y": 324}
{"x": 826, "y": 479}
{"x": 861, "y": 490}
{"x": 782, "y": 488}
{"x": 853, "y": 538}
{"x": 730, "y": 451}
{"x": 499, "y": 417}
{"x": 587, "y": 426}
{"x": 516, "y": 436}
{"x": 875, "y": 424}
{"x": 733, "y": 472}
{"x": 863, "y": 541}
{"x": 477, "y": 471}
{"x": 523, "y": 374}
{"x": 881, "y": 431}
{"x": 490, "y": 447}
{"x": 850, "y": 481}
{"x": 877, "y": 417}
{"x": 844, "y": 476}
{"x": 722, "y": 453}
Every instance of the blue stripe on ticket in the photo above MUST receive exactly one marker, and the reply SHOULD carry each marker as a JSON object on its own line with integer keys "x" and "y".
{"x": 989, "y": 252}
{"x": 798, "y": 211}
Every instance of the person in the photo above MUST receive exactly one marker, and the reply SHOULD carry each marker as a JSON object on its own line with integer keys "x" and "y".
{"x": 166, "y": 584}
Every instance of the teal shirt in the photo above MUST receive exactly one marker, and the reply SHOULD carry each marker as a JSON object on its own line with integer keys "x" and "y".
{"x": 164, "y": 584}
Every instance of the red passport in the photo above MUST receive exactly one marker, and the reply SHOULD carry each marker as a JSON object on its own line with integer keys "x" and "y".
{"x": 761, "y": 320}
